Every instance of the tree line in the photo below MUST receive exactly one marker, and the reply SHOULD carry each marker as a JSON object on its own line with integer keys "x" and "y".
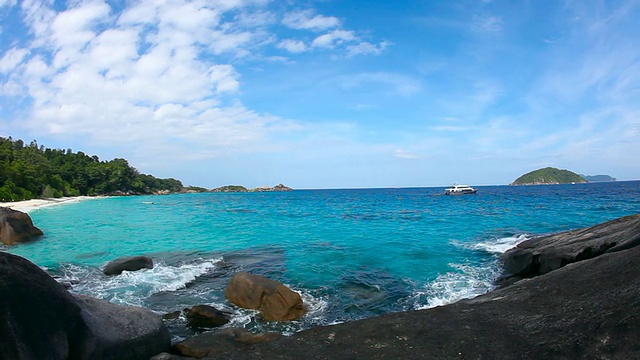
{"x": 28, "y": 171}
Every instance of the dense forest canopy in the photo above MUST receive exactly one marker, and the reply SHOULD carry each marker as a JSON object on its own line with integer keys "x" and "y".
{"x": 30, "y": 171}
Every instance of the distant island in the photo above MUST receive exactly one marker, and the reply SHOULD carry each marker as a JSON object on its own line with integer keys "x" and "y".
{"x": 239, "y": 188}
{"x": 598, "y": 178}
{"x": 549, "y": 176}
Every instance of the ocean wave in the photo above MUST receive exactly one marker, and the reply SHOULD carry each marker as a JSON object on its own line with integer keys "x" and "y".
{"x": 134, "y": 287}
{"x": 500, "y": 245}
{"x": 465, "y": 283}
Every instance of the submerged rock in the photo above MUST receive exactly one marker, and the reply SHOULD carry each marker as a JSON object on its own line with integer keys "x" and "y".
{"x": 133, "y": 263}
{"x": 16, "y": 227}
{"x": 275, "y": 301}
{"x": 40, "y": 320}
{"x": 205, "y": 316}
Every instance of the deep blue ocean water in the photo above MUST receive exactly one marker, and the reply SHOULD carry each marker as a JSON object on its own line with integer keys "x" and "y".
{"x": 352, "y": 254}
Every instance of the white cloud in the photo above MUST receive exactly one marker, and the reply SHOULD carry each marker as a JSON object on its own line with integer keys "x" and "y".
{"x": 162, "y": 75}
{"x": 333, "y": 38}
{"x": 307, "y": 20}
{"x": 293, "y": 46}
{"x": 8, "y": 3}
{"x": 11, "y": 59}
{"x": 366, "y": 48}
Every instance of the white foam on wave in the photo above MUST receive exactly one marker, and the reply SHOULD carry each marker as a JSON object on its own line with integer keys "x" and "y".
{"x": 466, "y": 283}
{"x": 132, "y": 287}
{"x": 501, "y": 245}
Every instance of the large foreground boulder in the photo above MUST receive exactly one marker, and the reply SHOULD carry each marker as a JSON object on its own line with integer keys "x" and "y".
{"x": 275, "y": 301}
{"x": 16, "y": 227}
{"x": 131, "y": 263}
{"x": 40, "y": 320}
{"x": 541, "y": 255}
{"x": 37, "y": 315}
{"x": 585, "y": 310}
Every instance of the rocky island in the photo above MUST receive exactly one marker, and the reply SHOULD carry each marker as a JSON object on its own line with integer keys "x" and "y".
{"x": 240, "y": 188}
{"x": 549, "y": 176}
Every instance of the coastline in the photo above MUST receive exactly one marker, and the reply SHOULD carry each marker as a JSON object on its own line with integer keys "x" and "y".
{"x": 28, "y": 206}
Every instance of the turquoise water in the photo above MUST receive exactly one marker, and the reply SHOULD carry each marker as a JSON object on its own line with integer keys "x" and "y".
{"x": 351, "y": 253}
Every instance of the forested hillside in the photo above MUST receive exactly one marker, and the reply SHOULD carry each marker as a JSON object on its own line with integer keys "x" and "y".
{"x": 549, "y": 175}
{"x": 31, "y": 171}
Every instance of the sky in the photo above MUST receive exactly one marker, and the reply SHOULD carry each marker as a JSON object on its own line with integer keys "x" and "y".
{"x": 328, "y": 93}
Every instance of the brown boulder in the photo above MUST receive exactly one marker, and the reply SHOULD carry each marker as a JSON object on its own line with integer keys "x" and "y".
{"x": 16, "y": 227}
{"x": 275, "y": 301}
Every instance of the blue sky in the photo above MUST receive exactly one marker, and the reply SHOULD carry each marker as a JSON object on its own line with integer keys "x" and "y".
{"x": 328, "y": 94}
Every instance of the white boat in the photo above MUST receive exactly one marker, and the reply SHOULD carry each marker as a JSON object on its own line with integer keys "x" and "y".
{"x": 458, "y": 189}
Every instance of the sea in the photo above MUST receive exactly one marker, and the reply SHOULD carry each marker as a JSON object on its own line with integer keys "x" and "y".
{"x": 350, "y": 253}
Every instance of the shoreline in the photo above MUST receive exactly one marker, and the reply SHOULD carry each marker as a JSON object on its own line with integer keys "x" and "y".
{"x": 28, "y": 206}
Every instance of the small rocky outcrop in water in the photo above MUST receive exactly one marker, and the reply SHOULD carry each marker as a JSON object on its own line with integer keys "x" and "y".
{"x": 205, "y": 316}
{"x": 275, "y": 301}
{"x": 133, "y": 263}
{"x": 16, "y": 227}
{"x": 40, "y": 320}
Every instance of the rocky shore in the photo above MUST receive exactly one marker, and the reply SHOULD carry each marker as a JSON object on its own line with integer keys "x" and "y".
{"x": 586, "y": 307}
{"x": 570, "y": 295}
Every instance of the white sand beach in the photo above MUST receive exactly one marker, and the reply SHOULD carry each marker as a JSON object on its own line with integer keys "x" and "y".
{"x": 35, "y": 204}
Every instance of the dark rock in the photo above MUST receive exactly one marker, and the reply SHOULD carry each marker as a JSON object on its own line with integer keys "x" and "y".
{"x": 168, "y": 356}
{"x": 37, "y": 315}
{"x": 221, "y": 341}
{"x": 205, "y": 316}
{"x": 133, "y": 263}
{"x": 16, "y": 227}
{"x": 275, "y": 301}
{"x": 113, "y": 332}
{"x": 172, "y": 315}
{"x": 544, "y": 254}
{"x": 40, "y": 320}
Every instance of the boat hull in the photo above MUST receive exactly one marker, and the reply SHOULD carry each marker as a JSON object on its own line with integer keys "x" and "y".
{"x": 465, "y": 192}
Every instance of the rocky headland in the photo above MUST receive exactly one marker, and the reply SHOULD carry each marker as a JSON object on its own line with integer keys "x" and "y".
{"x": 571, "y": 295}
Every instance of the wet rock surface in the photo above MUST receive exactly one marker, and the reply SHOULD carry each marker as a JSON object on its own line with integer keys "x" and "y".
{"x": 131, "y": 263}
